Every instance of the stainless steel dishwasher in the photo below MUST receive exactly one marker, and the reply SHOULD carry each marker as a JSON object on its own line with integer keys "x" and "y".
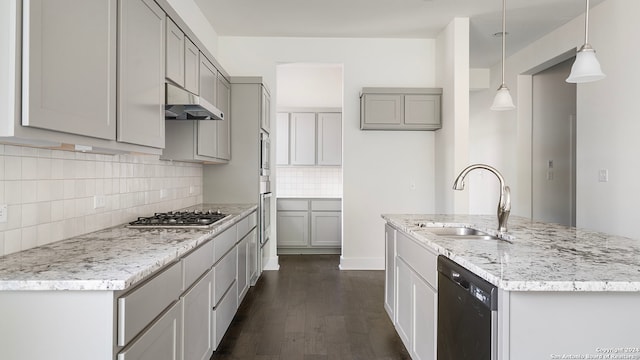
{"x": 467, "y": 314}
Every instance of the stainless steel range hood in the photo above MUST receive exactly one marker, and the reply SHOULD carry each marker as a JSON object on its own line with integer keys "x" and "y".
{"x": 183, "y": 105}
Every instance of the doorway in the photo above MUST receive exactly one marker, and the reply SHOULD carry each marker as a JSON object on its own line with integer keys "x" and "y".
{"x": 553, "y": 155}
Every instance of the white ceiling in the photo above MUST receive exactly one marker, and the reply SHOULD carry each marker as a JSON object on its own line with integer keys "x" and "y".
{"x": 527, "y": 20}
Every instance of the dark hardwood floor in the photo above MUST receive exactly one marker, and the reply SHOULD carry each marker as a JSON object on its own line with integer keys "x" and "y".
{"x": 310, "y": 310}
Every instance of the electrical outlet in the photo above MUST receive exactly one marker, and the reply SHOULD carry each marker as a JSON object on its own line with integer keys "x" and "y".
{"x": 192, "y": 190}
{"x": 603, "y": 175}
{"x": 3, "y": 213}
{"x": 163, "y": 193}
{"x": 99, "y": 201}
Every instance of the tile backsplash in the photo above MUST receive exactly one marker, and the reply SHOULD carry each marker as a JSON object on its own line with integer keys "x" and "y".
{"x": 309, "y": 181}
{"x": 50, "y": 194}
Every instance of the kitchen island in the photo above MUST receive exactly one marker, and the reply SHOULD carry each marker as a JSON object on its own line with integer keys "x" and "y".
{"x": 561, "y": 291}
{"x": 125, "y": 293}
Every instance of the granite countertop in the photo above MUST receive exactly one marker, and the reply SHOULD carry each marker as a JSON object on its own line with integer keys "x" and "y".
{"x": 110, "y": 259}
{"x": 539, "y": 256}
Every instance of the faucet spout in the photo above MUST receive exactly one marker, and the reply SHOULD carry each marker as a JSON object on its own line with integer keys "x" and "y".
{"x": 504, "y": 203}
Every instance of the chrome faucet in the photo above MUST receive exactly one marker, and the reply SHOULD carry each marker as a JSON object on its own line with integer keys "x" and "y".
{"x": 504, "y": 204}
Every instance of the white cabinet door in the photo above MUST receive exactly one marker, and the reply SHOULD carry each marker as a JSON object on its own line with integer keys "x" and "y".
{"x": 293, "y": 228}
{"x": 208, "y": 130}
{"x": 282, "y": 140}
{"x": 243, "y": 267}
{"x": 390, "y": 270}
{"x": 404, "y": 304}
{"x": 223, "y": 94}
{"x": 161, "y": 341}
{"x": 175, "y": 40}
{"x": 425, "y": 308}
{"x": 326, "y": 228}
{"x": 196, "y": 320}
{"x": 303, "y": 138}
{"x": 69, "y": 66}
{"x": 191, "y": 67}
{"x": 329, "y": 139}
{"x": 141, "y": 73}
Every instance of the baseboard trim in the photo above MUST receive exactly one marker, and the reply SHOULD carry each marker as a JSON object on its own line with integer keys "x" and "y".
{"x": 309, "y": 251}
{"x": 347, "y": 263}
{"x": 272, "y": 264}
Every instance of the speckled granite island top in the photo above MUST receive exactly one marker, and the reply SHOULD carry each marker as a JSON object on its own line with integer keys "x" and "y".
{"x": 539, "y": 257}
{"x": 109, "y": 259}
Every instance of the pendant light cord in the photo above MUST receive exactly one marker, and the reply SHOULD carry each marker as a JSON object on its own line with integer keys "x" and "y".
{"x": 586, "y": 24}
{"x": 504, "y": 35}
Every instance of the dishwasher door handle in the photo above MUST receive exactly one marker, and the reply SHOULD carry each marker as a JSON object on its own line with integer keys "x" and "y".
{"x": 458, "y": 279}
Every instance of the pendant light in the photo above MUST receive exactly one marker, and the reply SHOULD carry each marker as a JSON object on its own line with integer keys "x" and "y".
{"x": 586, "y": 68}
{"x": 503, "y": 100}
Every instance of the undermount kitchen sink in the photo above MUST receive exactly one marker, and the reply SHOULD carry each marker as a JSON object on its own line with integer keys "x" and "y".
{"x": 459, "y": 232}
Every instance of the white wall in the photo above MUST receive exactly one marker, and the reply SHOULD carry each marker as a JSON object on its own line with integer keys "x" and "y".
{"x": 309, "y": 85}
{"x": 452, "y": 140}
{"x": 607, "y": 118}
{"x": 379, "y": 166}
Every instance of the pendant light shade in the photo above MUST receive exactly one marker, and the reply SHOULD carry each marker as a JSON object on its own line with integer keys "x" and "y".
{"x": 586, "y": 68}
{"x": 503, "y": 100}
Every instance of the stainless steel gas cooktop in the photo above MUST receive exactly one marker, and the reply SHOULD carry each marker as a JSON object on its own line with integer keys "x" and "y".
{"x": 180, "y": 219}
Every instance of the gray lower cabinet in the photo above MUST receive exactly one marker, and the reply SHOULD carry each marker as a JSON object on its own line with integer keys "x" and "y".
{"x": 309, "y": 225}
{"x": 412, "y": 293}
{"x": 390, "y": 273}
{"x": 293, "y": 228}
{"x": 197, "y": 334}
{"x": 326, "y": 228}
{"x": 400, "y": 109}
{"x": 141, "y": 73}
{"x": 161, "y": 341}
{"x": 72, "y": 94}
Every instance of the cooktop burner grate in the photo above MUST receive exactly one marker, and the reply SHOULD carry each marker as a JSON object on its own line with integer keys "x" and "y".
{"x": 179, "y": 219}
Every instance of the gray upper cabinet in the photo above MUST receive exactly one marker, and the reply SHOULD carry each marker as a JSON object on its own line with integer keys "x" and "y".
{"x": 309, "y": 138}
{"x": 175, "y": 53}
{"x": 329, "y": 139}
{"x": 303, "y": 138}
{"x": 282, "y": 143}
{"x": 208, "y": 80}
{"x": 191, "y": 67}
{"x": 69, "y": 66}
{"x": 400, "y": 109}
{"x": 265, "y": 118}
{"x": 142, "y": 74}
{"x": 223, "y": 103}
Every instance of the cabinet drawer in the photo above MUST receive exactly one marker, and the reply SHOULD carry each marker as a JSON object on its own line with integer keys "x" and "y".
{"x": 326, "y": 205}
{"x": 160, "y": 342}
{"x": 224, "y": 274}
{"x": 423, "y": 261}
{"x": 196, "y": 263}
{"x": 224, "y": 242}
{"x": 293, "y": 204}
{"x": 140, "y": 306}
{"x": 223, "y": 314}
{"x": 245, "y": 225}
